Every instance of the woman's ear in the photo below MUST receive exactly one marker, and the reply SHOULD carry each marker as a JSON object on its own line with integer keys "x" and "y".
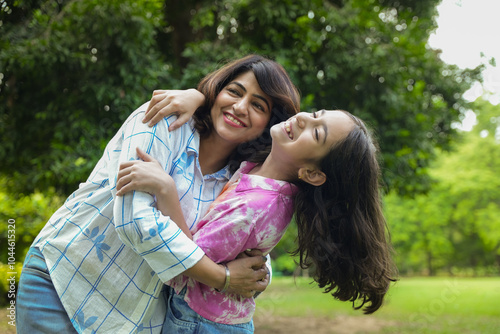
{"x": 312, "y": 176}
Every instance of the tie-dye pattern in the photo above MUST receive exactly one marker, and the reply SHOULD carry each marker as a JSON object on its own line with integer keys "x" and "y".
{"x": 252, "y": 212}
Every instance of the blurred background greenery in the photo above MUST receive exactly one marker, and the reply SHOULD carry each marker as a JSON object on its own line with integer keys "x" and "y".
{"x": 71, "y": 71}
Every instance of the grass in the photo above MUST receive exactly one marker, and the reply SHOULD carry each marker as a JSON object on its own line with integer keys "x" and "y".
{"x": 430, "y": 305}
{"x": 414, "y": 305}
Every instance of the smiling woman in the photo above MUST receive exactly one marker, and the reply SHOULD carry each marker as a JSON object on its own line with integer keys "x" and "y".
{"x": 240, "y": 112}
{"x": 101, "y": 261}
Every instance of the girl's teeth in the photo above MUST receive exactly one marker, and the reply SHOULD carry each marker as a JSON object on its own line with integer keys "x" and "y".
{"x": 287, "y": 128}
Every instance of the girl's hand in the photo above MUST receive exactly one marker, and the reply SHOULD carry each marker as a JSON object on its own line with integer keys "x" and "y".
{"x": 182, "y": 103}
{"x": 146, "y": 175}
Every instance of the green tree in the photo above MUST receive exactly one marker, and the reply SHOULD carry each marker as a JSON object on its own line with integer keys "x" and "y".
{"x": 456, "y": 224}
{"x": 420, "y": 232}
{"x": 369, "y": 57}
{"x": 71, "y": 71}
{"x": 470, "y": 176}
{"x": 27, "y": 214}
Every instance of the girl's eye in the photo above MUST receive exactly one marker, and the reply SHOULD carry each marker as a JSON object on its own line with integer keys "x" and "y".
{"x": 317, "y": 134}
{"x": 315, "y": 116}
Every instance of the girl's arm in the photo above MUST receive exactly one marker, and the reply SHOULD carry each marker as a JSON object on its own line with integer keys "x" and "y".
{"x": 148, "y": 176}
{"x": 182, "y": 103}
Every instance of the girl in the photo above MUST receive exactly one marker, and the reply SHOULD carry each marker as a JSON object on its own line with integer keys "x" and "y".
{"x": 325, "y": 163}
{"x": 100, "y": 262}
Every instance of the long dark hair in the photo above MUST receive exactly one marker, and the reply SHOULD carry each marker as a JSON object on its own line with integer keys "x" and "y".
{"x": 272, "y": 79}
{"x": 342, "y": 233}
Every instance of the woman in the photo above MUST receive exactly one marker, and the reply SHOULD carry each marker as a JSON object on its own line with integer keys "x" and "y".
{"x": 326, "y": 161}
{"x": 101, "y": 260}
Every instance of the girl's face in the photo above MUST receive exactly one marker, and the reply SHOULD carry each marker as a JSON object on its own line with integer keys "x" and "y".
{"x": 241, "y": 111}
{"x": 306, "y": 138}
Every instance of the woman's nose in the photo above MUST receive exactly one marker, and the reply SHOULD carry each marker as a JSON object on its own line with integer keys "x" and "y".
{"x": 241, "y": 107}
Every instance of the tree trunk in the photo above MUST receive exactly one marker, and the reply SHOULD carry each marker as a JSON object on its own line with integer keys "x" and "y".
{"x": 178, "y": 31}
{"x": 429, "y": 264}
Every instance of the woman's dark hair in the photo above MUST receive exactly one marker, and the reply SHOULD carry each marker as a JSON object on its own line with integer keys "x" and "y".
{"x": 272, "y": 79}
{"x": 342, "y": 233}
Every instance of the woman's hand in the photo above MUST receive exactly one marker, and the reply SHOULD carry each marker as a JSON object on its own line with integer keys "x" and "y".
{"x": 248, "y": 275}
{"x": 182, "y": 103}
{"x": 146, "y": 175}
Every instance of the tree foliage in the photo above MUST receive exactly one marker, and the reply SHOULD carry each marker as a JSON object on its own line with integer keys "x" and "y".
{"x": 456, "y": 225}
{"x": 28, "y": 214}
{"x": 71, "y": 71}
{"x": 22, "y": 218}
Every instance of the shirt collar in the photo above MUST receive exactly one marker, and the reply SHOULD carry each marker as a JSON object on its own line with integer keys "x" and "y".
{"x": 222, "y": 175}
{"x": 256, "y": 181}
{"x": 194, "y": 146}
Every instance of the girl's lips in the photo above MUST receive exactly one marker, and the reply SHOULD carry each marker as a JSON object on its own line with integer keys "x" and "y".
{"x": 233, "y": 121}
{"x": 287, "y": 128}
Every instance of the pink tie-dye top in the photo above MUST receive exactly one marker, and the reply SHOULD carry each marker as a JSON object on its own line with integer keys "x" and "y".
{"x": 252, "y": 212}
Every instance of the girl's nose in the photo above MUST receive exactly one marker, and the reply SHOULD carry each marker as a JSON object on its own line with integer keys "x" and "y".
{"x": 301, "y": 118}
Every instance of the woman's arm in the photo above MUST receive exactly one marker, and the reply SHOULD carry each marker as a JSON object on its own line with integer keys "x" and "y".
{"x": 248, "y": 275}
{"x": 148, "y": 176}
{"x": 182, "y": 103}
{"x": 138, "y": 223}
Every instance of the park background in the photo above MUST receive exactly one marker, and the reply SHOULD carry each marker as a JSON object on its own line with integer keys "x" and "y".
{"x": 71, "y": 71}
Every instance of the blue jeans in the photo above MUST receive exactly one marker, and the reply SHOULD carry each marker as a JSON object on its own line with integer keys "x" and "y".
{"x": 181, "y": 319}
{"x": 38, "y": 307}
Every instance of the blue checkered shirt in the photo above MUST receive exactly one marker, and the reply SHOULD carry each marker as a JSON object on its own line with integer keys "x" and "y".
{"x": 108, "y": 256}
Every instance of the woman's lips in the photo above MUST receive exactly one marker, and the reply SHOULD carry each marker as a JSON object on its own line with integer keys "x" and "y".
{"x": 233, "y": 121}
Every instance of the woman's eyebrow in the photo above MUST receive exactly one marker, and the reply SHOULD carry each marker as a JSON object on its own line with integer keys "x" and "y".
{"x": 256, "y": 95}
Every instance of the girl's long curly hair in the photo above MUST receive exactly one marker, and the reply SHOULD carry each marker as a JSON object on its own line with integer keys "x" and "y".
{"x": 342, "y": 233}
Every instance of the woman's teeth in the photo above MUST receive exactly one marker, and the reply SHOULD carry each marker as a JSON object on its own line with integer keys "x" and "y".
{"x": 234, "y": 120}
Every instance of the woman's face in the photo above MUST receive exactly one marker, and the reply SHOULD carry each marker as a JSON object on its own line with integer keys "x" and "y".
{"x": 241, "y": 111}
{"x": 307, "y": 137}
